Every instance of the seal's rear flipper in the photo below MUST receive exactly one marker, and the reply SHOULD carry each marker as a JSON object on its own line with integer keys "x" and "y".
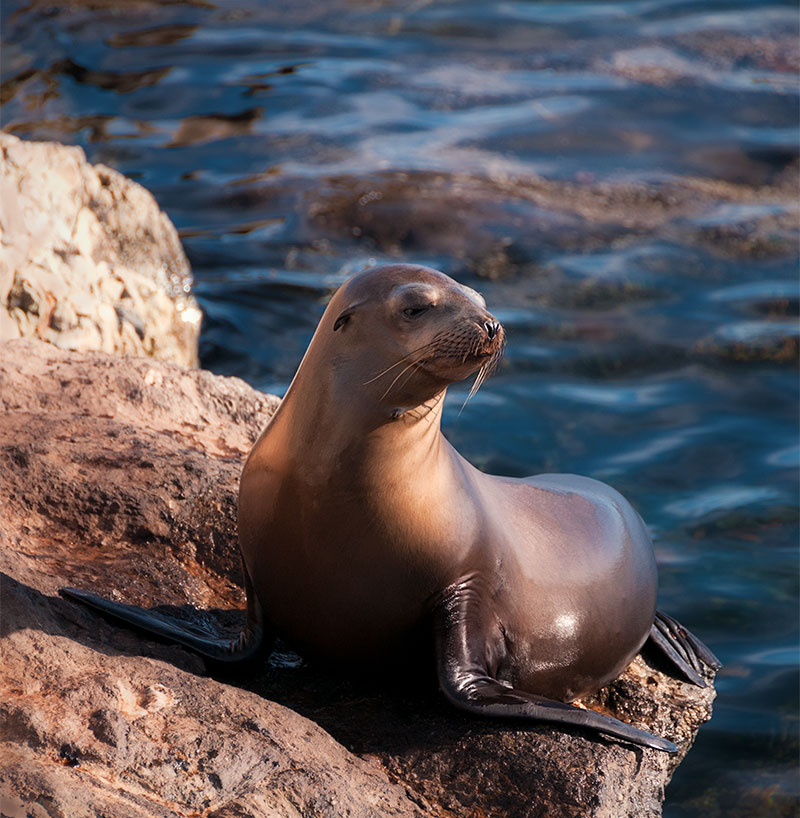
{"x": 682, "y": 649}
{"x": 465, "y": 679}
{"x": 250, "y": 646}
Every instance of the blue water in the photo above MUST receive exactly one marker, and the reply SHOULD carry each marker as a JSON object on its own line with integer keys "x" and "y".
{"x": 617, "y": 178}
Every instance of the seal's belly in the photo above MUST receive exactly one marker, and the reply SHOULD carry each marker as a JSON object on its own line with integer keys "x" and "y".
{"x": 582, "y": 643}
{"x": 581, "y": 584}
{"x": 568, "y": 641}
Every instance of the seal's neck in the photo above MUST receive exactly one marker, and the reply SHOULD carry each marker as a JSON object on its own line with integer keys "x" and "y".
{"x": 329, "y": 415}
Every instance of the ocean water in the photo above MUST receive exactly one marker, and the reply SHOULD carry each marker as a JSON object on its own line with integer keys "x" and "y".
{"x": 619, "y": 179}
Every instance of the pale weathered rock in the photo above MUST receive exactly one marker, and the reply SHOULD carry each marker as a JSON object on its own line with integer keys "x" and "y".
{"x": 87, "y": 259}
{"x": 120, "y": 475}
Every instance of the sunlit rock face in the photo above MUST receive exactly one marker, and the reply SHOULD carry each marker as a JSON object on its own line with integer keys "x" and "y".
{"x": 87, "y": 259}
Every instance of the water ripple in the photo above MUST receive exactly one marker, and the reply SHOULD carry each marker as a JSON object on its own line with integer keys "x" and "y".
{"x": 720, "y": 498}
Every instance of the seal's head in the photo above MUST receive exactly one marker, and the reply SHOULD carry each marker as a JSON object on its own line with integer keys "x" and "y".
{"x": 414, "y": 330}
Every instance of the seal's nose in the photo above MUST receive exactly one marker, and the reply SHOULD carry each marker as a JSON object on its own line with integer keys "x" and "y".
{"x": 492, "y": 328}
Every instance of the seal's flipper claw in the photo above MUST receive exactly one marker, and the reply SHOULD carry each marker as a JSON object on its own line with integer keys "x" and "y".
{"x": 250, "y": 645}
{"x": 682, "y": 649}
{"x": 697, "y": 647}
{"x": 678, "y": 663}
{"x": 466, "y": 682}
{"x": 677, "y": 645}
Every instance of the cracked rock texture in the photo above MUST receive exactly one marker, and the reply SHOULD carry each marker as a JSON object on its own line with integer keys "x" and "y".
{"x": 87, "y": 259}
{"x": 120, "y": 475}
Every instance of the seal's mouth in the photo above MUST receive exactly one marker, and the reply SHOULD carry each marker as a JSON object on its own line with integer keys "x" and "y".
{"x": 452, "y": 356}
{"x": 493, "y": 344}
{"x": 471, "y": 341}
{"x": 461, "y": 351}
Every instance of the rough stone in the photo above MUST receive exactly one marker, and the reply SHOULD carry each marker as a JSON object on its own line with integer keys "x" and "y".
{"x": 87, "y": 259}
{"x": 120, "y": 475}
{"x": 471, "y": 220}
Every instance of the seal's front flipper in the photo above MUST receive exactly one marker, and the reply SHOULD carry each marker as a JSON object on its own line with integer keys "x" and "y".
{"x": 252, "y": 644}
{"x": 682, "y": 649}
{"x": 466, "y": 681}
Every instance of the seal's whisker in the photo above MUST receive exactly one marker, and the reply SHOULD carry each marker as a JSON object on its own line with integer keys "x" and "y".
{"x": 423, "y": 348}
{"x": 489, "y": 368}
{"x": 416, "y": 363}
{"x": 390, "y": 368}
{"x": 389, "y": 388}
{"x": 479, "y": 379}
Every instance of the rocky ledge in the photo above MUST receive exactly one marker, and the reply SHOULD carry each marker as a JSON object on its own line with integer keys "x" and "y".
{"x": 120, "y": 475}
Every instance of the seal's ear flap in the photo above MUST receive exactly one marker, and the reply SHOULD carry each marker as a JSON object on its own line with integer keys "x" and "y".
{"x": 346, "y": 315}
{"x": 343, "y": 319}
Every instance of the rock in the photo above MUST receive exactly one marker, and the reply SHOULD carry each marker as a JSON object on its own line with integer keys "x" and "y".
{"x": 470, "y": 220}
{"x": 120, "y": 475}
{"x": 91, "y": 730}
{"x": 87, "y": 259}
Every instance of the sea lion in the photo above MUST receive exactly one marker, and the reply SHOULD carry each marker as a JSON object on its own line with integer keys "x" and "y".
{"x": 358, "y": 521}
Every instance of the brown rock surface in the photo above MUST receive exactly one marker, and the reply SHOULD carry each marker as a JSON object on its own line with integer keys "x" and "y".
{"x": 120, "y": 475}
{"x": 498, "y": 226}
{"x": 87, "y": 259}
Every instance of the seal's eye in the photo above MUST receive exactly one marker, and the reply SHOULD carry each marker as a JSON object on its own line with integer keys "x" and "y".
{"x": 415, "y": 312}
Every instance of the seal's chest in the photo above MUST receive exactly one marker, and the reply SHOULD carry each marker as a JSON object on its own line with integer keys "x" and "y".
{"x": 336, "y": 588}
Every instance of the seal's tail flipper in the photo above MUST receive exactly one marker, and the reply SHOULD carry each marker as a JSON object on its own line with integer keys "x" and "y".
{"x": 682, "y": 649}
{"x": 251, "y": 645}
